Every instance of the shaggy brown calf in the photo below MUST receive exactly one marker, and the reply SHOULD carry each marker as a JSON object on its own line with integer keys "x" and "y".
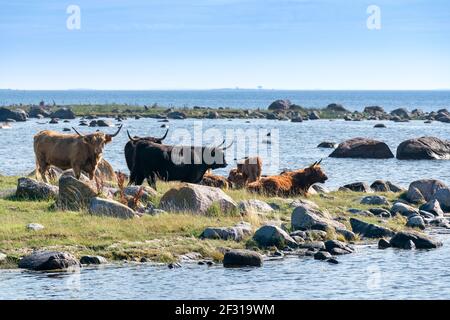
{"x": 236, "y": 179}
{"x": 289, "y": 183}
{"x": 212, "y": 180}
{"x": 251, "y": 168}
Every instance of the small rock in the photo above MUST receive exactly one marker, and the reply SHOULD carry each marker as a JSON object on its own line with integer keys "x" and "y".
{"x": 380, "y": 212}
{"x": 242, "y": 258}
{"x": 312, "y": 245}
{"x": 327, "y": 144}
{"x": 254, "y": 206}
{"x": 383, "y": 244}
{"x": 93, "y": 260}
{"x": 433, "y": 207}
{"x": 416, "y": 222}
{"x": 403, "y": 209}
{"x": 333, "y": 261}
{"x": 374, "y": 200}
{"x": 322, "y": 255}
{"x": 358, "y": 187}
{"x": 35, "y": 226}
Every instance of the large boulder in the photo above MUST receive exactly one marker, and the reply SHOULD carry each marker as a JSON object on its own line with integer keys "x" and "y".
{"x": 48, "y": 260}
{"x": 443, "y": 197}
{"x": 236, "y": 233}
{"x": 38, "y": 112}
{"x": 280, "y": 105}
{"x": 105, "y": 171}
{"x": 369, "y": 230}
{"x": 362, "y": 148}
{"x": 269, "y": 235}
{"x": 306, "y": 217}
{"x": 401, "y": 239}
{"x": 402, "y": 113}
{"x": 424, "y": 148}
{"x": 374, "y": 110}
{"x": 63, "y": 113}
{"x": 424, "y": 190}
{"x": 74, "y": 194}
{"x": 34, "y": 190}
{"x": 110, "y": 208}
{"x": 16, "y": 115}
{"x": 196, "y": 199}
{"x": 339, "y": 108}
{"x": 242, "y": 258}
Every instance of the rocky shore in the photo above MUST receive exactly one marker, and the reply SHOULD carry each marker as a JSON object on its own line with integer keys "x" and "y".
{"x": 72, "y": 222}
{"x": 277, "y": 110}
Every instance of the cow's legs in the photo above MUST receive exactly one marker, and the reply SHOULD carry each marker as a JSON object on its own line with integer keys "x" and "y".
{"x": 77, "y": 171}
{"x": 42, "y": 168}
{"x": 151, "y": 180}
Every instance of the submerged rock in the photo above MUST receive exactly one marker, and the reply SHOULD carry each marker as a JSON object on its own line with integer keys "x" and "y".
{"x": 421, "y": 241}
{"x": 322, "y": 255}
{"x": 383, "y": 244}
{"x": 327, "y": 144}
{"x": 362, "y": 148}
{"x": 48, "y": 260}
{"x": 242, "y": 258}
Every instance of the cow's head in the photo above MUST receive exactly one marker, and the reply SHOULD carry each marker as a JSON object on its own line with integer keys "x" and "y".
{"x": 214, "y": 157}
{"x": 315, "y": 173}
{"x": 96, "y": 141}
{"x": 150, "y": 139}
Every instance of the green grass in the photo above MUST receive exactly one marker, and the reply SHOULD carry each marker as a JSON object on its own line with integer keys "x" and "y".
{"x": 160, "y": 238}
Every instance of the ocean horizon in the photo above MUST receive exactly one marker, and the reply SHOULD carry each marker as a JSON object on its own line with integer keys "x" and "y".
{"x": 354, "y": 100}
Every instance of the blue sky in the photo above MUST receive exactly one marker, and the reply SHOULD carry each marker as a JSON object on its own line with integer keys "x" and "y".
{"x": 198, "y": 44}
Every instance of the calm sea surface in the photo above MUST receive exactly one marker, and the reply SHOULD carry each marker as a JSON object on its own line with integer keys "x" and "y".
{"x": 368, "y": 274}
{"x": 248, "y": 99}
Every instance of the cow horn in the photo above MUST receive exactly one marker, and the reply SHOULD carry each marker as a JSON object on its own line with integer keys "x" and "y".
{"x": 165, "y": 135}
{"x": 320, "y": 161}
{"x": 115, "y": 134}
{"x": 130, "y": 137}
{"x": 219, "y": 145}
{"x": 77, "y": 132}
{"x": 225, "y": 148}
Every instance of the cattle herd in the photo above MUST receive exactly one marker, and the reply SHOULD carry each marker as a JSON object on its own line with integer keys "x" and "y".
{"x": 149, "y": 159}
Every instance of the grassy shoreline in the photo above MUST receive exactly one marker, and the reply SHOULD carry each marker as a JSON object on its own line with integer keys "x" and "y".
{"x": 113, "y": 110}
{"x": 161, "y": 238}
